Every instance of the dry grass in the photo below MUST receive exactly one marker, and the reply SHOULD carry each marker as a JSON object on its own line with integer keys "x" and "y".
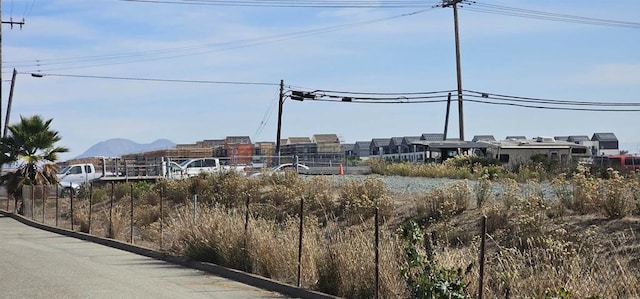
{"x": 586, "y": 243}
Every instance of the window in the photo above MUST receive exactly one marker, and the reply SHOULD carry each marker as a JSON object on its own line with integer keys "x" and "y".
{"x": 196, "y": 163}
{"x": 87, "y": 168}
{"x": 504, "y": 158}
{"x": 76, "y": 170}
{"x": 615, "y": 162}
{"x": 210, "y": 163}
{"x": 632, "y": 161}
{"x": 578, "y": 150}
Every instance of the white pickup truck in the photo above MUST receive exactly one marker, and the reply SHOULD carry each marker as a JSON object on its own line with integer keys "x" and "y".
{"x": 72, "y": 176}
{"x": 194, "y": 167}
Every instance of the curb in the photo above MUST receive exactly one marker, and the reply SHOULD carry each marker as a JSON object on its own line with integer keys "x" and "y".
{"x": 228, "y": 273}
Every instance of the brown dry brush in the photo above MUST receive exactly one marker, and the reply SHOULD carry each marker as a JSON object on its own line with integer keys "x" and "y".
{"x": 530, "y": 252}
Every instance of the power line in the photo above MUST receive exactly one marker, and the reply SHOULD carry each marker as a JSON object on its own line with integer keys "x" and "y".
{"x": 476, "y": 97}
{"x": 553, "y": 108}
{"x": 398, "y": 101}
{"x": 266, "y": 116}
{"x": 28, "y": 9}
{"x": 382, "y": 93}
{"x": 192, "y": 50}
{"x": 502, "y": 97}
{"x": 542, "y": 15}
{"x": 152, "y": 79}
{"x": 293, "y": 4}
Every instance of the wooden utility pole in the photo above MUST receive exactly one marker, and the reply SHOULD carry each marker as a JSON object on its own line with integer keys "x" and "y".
{"x": 6, "y": 119}
{"x": 446, "y": 118}
{"x": 280, "y": 103}
{"x": 10, "y": 22}
{"x": 454, "y": 4}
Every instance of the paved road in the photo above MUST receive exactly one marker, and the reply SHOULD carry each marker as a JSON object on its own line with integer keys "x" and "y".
{"x": 40, "y": 264}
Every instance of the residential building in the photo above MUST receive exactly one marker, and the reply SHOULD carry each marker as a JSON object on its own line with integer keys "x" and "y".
{"x": 607, "y": 144}
{"x": 379, "y": 147}
{"x": 518, "y": 151}
{"x": 361, "y": 149}
{"x": 239, "y": 149}
{"x": 410, "y": 151}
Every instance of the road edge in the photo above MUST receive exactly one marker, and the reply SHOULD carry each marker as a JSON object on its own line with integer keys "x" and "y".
{"x": 228, "y": 273}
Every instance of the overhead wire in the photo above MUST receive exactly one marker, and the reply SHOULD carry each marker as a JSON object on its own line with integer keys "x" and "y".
{"x": 38, "y": 64}
{"x": 470, "y": 96}
{"x": 151, "y": 79}
{"x": 28, "y": 9}
{"x": 478, "y": 94}
{"x": 383, "y": 101}
{"x": 414, "y": 98}
{"x": 542, "y": 15}
{"x": 552, "y": 108}
{"x": 293, "y": 3}
{"x": 267, "y": 115}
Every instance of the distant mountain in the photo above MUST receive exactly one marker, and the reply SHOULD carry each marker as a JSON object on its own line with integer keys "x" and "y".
{"x": 118, "y": 146}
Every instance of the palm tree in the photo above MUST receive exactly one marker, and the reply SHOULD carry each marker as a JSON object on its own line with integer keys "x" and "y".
{"x": 30, "y": 144}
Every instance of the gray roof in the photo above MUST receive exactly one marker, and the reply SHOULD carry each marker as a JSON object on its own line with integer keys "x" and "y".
{"x": 516, "y": 137}
{"x": 347, "y": 146}
{"x": 483, "y": 137}
{"x": 604, "y": 137}
{"x": 578, "y": 138}
{"x": 409, "y": 139}
{"x": 396, "y": 140}
{"x": 450, "y": 144}
{"x": 561, "y": 138}
{"x": 432, "y": 136}
{"x": 378, "y": 142}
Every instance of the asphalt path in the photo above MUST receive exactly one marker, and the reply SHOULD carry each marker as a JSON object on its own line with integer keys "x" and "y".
{"x": 40, "y": 264}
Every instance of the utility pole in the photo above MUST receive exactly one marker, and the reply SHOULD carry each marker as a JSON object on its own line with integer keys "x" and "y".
{"x": 454, "y": 4}
{"x": 13, "y": 84}
{"x": 280, "y": 103}
{"x": 10, "y": 22}
{"x": 446, "y": 118}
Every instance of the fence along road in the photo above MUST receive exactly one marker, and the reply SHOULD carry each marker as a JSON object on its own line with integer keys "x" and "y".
{"x": 40, "y": 264}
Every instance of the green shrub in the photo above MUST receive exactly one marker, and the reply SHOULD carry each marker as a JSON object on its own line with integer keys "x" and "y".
{"x": 424, "y": 278}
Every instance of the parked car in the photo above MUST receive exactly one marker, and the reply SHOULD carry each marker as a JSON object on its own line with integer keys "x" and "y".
{"x": 282, "y": 168}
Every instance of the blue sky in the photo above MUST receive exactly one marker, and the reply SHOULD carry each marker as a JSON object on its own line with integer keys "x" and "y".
{"x": 413, "y": 53}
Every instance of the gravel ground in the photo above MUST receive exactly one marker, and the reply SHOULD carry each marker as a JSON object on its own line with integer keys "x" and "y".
{"x": 400, "y": 184}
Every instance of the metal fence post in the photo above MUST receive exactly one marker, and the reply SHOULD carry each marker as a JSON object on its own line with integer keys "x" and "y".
{"x": 482, "y": 247}
{"x": 90, "y": 204}
{"x": 71, "y": 197}
{"x": 377, "y": 252}
{"x": 131, "y": 216}
{"x": 33, "y": 203}
{"x": 111, "y": 212}
{"x": 300, "y": 239}
{"x": 44, "y": 198}
{"x": 195, "y": 208}
{"x": 57, "y": 201}
{"x": 246, "y": 231}
{"x": 161, "y": 216}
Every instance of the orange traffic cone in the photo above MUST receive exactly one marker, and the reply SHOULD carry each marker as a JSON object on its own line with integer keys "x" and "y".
{"x": 341, "y": 170}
